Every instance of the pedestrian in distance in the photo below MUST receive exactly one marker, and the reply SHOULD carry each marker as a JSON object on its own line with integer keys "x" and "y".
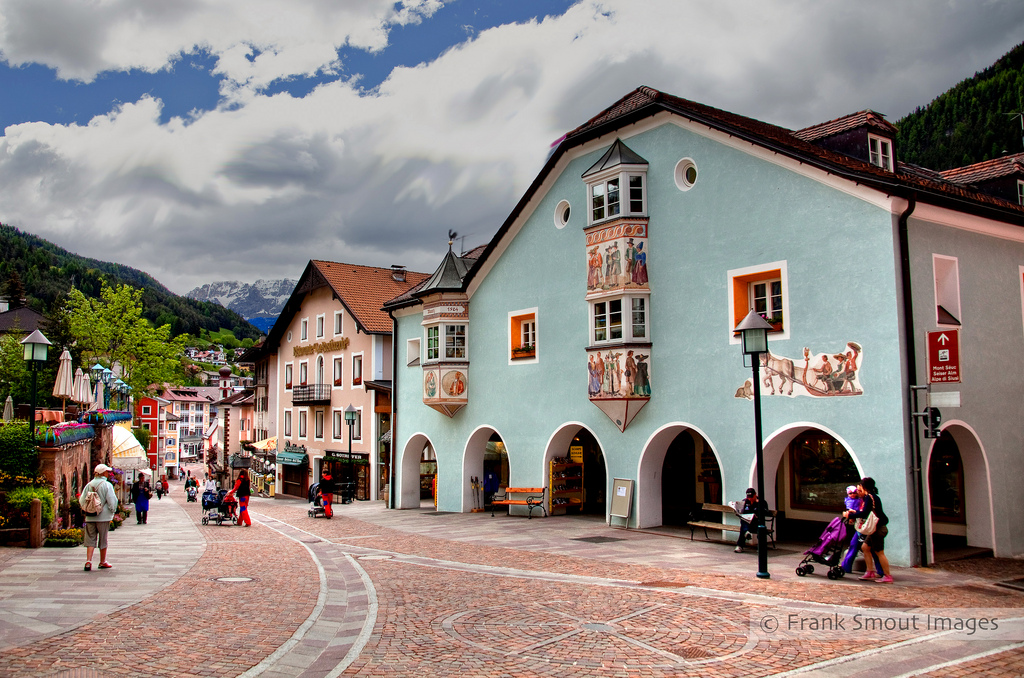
{"x": 141, "y": 493}
{"x": 747, "y": 516}
{"x": 874, "y": 543}
{"x": 97, "y": 526}
{"x": 242, "y": 490}
{"x": 211, "y": 484}
{"x": 327, "y": 490}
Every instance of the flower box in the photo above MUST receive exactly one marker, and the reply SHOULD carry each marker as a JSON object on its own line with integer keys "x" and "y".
{"x": 521, "y": 352}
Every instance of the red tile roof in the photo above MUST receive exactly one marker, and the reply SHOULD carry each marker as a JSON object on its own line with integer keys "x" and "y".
{"x": 996, "y": 168}
{"x": 365, "y": 289}
{"x": 860, "y": 119}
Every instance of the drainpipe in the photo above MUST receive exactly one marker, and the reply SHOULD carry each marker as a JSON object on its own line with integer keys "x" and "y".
{"x": 394, "y": 408}
{"x": 911, "y": 352}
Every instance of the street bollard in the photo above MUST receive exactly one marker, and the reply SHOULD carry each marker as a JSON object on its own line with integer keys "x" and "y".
{"x": 35, "y": 528}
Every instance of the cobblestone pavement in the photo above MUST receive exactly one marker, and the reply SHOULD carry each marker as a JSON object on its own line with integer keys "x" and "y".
{"x": 376, "y": 592}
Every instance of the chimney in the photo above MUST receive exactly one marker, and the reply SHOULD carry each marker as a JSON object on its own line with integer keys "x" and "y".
{"x": 397, "y": 273}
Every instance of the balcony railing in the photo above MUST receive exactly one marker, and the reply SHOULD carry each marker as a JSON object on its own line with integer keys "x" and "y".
{"x": 311, "y": 394}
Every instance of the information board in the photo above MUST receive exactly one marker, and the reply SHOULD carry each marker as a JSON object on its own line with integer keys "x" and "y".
{"x": 622, "y": 498}
{"x": 943, "y": 357}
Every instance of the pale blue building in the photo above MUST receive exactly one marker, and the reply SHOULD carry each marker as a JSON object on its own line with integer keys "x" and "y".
{"x": 592, "y": 338}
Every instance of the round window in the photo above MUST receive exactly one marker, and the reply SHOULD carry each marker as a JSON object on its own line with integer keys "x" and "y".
{"x": 562, "y": 210}
{"x": 686, "y": 174}
{"x": 289, "y": 335}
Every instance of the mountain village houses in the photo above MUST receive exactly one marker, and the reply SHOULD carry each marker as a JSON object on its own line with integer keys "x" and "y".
{"x": 590, "y": 346}
{"x": 329, "y": 351}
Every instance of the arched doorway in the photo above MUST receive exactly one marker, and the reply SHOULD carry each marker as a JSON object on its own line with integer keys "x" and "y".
{"x": 575, "y": 468}
{"x": 679, "y": 471}
{"x": 419, "y": 472}
{"x": 485, "y": 468}
{"x": 959, "y": 495}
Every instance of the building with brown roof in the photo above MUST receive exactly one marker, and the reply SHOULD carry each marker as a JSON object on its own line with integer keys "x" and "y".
{"x": 329, "y": 350}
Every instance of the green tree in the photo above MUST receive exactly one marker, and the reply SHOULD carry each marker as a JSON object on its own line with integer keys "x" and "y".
{"x": 113, "y": 329}
{"x": 14, "y": 376}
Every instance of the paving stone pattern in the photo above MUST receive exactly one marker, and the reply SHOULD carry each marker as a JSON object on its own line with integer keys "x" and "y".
{"x": 415, "y": 593}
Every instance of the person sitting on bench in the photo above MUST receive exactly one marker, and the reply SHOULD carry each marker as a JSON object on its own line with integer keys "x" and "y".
{"x": 748, "y": 515}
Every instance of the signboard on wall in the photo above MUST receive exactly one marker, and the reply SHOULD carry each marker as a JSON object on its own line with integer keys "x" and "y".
{"x": 576, "y": 454}
{"x": 943, "y": 357}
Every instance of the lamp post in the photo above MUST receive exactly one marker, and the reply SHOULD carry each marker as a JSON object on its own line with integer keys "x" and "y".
{"x": 108, "y": 378}
{"x": 754, "y": 333}
{"x": 350, "y": 419}
{"x": 119, "y": 389}
{"x": 35, "y": 354}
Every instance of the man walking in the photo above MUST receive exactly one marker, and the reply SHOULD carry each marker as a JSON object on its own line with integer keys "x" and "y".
{"x": 97, "y": 526}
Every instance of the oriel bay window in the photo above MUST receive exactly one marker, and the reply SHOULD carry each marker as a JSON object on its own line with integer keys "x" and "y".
{"x": 455, "y": 342}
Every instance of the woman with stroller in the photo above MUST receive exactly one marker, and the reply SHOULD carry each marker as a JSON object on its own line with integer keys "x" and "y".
{"x": 855, "y": 503}
{"x": 874, "y": 543}
{"x": 241, "y": 489}
{"x": 327, "y": 490}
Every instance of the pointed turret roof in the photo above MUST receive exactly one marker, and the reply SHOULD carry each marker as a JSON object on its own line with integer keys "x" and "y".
{"x": 618, "y": 154}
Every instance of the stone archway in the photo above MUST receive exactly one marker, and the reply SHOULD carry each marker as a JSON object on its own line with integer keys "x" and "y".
{"x": 484, "y": 443}
{"x": 683, "y": 452}
{"x": 976, "y": 486}
{"x": 409, "y": 463}
{"x": 595, "y": 483}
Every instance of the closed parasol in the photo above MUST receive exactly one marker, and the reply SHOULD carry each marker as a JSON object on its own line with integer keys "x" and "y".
{"x": 64, "y": 387}
{"x": 8, "y": 409}
{"x": 98, "y": 404}
{"x": 83, "y": 393}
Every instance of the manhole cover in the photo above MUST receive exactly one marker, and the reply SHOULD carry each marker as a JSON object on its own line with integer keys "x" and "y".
{"x": 233, "y": 580}
{"x": 597, "y": 540}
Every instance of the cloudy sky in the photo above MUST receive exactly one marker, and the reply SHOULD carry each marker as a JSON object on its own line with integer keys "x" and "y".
{"x": 205, "y": 140}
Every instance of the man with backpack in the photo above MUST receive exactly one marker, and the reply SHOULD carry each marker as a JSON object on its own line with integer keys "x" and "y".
{"x": 98, "y": 503}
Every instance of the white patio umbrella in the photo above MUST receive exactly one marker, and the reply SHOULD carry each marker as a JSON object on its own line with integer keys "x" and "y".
{"x": 8, "y": 409}
{"x": 64, "y": 387}
{"x": 83, "y": 389}
{"x": 98, "y": 405}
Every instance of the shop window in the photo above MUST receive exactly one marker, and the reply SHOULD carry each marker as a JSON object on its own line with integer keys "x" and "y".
{"x": 288, "y": 377}
{"x": 880, "y": 152}
{"x": 523, "y": 334}
{"x": 763, "y": 289}
{"x": 357, "y": 370}
{"x": 820, "y": 470}
{"x": 947, "y": 290}
{"x": 338, "y": 368}
{"x": 412, "y": 352}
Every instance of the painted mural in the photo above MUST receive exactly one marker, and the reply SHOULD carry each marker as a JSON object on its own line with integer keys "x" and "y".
{"x": 824, "y": 375}
{"x": 619, "y": 373}
{"x": 617, "y": 257}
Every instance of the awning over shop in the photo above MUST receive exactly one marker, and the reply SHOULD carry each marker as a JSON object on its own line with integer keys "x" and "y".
{"x": 264, "y": 445}
{"x": 292, "y": 458}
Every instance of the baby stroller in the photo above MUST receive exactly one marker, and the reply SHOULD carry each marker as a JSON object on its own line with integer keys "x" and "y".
{"x": 218, "y": 510}
{"x": 317, "y": 508}
{"x": 827, "y": 551}
{"x": 191, "y": 493}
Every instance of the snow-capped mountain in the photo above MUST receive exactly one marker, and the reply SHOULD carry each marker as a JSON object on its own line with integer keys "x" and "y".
{"x": 261, "y": 300}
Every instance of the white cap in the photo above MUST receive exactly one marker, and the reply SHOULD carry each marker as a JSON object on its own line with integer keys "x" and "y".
{"x": 101, "y": 468}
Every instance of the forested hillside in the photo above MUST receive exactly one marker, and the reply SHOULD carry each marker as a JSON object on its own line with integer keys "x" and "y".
{"x": 975, "y": 120}
{"x": 47, "y": 272}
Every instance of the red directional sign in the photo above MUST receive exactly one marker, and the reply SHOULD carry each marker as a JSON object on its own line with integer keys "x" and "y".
{"x": 944, "y": 357}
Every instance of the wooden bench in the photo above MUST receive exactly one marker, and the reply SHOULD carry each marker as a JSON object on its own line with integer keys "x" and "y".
{"x": 534, "y": 498}
{"x": 769, "y": 522}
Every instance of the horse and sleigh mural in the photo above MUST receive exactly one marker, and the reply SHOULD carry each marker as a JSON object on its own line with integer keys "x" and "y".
{"x": 823, "y": 375}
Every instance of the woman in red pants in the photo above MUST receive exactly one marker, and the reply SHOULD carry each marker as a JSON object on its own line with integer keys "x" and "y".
{"x": 241, "y": 489}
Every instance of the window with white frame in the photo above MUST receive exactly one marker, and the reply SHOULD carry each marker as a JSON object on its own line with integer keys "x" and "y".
{"x": 455, "y": 342}
{"x": 621, "y": 318}
{"x": 339, "y": 323}
{"x": 617, "y": 194}
{"x": 146, "y": 409}
{"x": 412, "y": 352}
{"x": 357, "y": 426}
{"x": 880, "y": 152}
{"x": 320, "y": 327}
{"x": 147, "y": 425}
{"x": 339, "y": 364}
{"x": 320, "y": 370}
{"x": 303, "y": 373}
{"x": 947, "y": 290}
{"x": 522, "y": 335}
{"x": 304, "y": 330}
{"x": 433, "y": 342}
{"x": 288, "y": 376}
{"x": 172, "y": 426}
{"x": 302, "y": 423}
{"x": 318, "y": 424}
{"x": 287, "y": 422}
{"x": 357, "y": 370}
{"x": 1020, "y": 192}
{"x": 338, "y": 424}
{"x": 763, "y": 289}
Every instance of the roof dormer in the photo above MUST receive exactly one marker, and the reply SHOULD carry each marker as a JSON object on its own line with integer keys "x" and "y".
{"x": 865, "y": 135}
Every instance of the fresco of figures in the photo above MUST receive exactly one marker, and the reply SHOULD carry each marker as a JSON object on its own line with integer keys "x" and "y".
{"x": 619, "y": 373}
{"x": 823, "y": 375}
{"x": 617, "y": 257}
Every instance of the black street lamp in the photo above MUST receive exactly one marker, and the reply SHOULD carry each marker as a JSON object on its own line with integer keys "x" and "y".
{"x": 35, "y": 354}
{"x": 754, "y": 333}
{"x": 350, "y": 419}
